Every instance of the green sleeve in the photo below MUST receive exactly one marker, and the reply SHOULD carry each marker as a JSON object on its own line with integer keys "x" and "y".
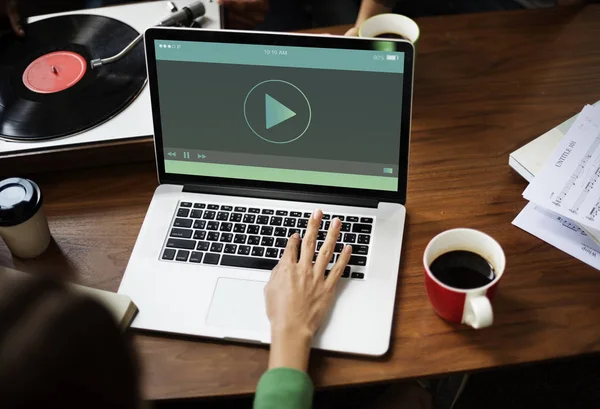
{"x": 284, "y": 388}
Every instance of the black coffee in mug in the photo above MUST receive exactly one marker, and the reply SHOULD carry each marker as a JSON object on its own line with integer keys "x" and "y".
{"x": 462, "y": 269}
{"x": 391, "y": 35}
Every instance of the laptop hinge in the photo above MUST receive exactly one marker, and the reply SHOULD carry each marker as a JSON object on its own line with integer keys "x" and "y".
{"x": 283, "y": 195}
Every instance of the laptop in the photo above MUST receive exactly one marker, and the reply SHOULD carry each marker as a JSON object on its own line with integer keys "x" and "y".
{"x": 253, "y": 132}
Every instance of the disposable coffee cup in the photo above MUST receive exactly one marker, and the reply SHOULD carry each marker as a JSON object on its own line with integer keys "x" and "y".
{"x": 23, "y": 225}
{"x": 390, "y": 24}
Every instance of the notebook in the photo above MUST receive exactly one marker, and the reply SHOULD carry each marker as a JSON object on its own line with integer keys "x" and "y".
{"x": 121, "y": 306}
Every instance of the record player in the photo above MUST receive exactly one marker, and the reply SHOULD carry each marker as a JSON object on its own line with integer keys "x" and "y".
{"x": 51, "y": 99}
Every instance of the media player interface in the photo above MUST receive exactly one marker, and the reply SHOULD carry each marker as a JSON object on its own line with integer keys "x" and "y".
{"x": 316, "y": 116}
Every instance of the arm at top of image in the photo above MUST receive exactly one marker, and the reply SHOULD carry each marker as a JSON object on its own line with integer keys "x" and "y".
{"x": 368, "y": 9}
{"x": 298, "y": 298}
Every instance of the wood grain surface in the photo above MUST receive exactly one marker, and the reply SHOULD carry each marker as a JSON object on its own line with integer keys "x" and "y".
{"x": 485, "y": 85}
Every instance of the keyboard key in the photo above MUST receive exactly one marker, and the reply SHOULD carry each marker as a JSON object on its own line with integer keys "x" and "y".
{"x": 226, "y": 237}
{"x": 321, "y": 235}
{"x": 296, "y": 214}
{"x": 358, "y": 261}
{"x": 254, "y": 240}
{"x": 212, "y": 225}
{"x": 349, "y": 238}
{"x": 240, "y": 239}
{"x": 213, "y": 207}
{"x": 181, "y": 244}
{"x": 262, "y": 220}
{"x": 185, "y": 204}
{"x": 307, "y": 215}
{"x": 209, "y": 215}
{"x": 182, "y": 255}
{"x": 289, "y": 222}
{"x": 362, "y": 250}
{"x": 239, "y": 228}
{"x": 326, "y": 217}
{"x": 266, "y": 230}
{"x": 345, "y": 274}
{"x": 236, "y": 217}
{"x": 303, "y": 223}
{"x": 339, "y": 239}
{"x": 271, "y": 253}
{"x": 361, "y": 228}
{"x": 230, "y": 249}
{"x": 196, "y": 214}
{"x": 352, "y": 219}
{"x": 249, "y": 262}
{"x": 368, "y": 220}
{"x": 338, "y": 248}
{"x": 258, "y": 251}
{"x": 364, "y": 239}
{"x": 211, "y": 258}
{"x": 223, "y": 216}
{"x": 182, "y": 212}
{"x": 226, "y": 208}
{"x": 276, "y": 221}
{"x": 268, "y": 211}
{"x": 253, "y": 210}
{"x": 267, "y": 241}
{"x": 181, "y": 233}
{"x": 203, "y": 245}
{"x": 338, "y": 216}
{"x": 199, "y": 224}
{"x": 358, "y": 275}
{"x": 281, "y": 253}
{"x": 196, "y": 257}
{"x": 319, "y": 245}
{"x": 168, "y": 254}
{"x": 199, "y": 206}
{"x": 345, "y": 227}
{"x": 254, "y": 229}
{"x": 182, "y": 223}
{"x": 292, "y": 231}
{"x": 240, "y": 209}
{"x": 244, "y": 250}
{"x": 281, "y": 212}
{"x": 212, "y": 236}
{"x": 226, "y": 227}
{"x": 280, "y": 232}
{"x": 199, "y": 235}
{"x": 327, "y": 224}
{"x": 216, "y": 247}
{"x": 249, "y": 218}
{"x": 281, "y": 243}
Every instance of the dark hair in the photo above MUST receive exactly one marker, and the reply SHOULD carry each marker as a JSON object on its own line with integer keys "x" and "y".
{"x": 61, "y": 350}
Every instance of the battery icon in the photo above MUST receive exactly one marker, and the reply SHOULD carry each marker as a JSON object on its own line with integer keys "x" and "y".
{"x": 391, "y": 57}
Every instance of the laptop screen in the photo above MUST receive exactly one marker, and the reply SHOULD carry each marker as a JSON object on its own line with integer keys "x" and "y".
{"x": 288, "y": 114}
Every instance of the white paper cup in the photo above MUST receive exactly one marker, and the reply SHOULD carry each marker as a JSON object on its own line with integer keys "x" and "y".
{"x": 390, "y": 23}
{"x": 23, "y": 225}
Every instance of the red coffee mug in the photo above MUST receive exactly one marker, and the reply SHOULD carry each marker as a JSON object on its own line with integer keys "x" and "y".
{"x": 472, "y": 306}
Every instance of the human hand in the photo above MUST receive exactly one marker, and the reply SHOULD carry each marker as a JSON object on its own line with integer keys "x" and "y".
{"x": 10, "y": 8}
{"x": 298, "y": 296}
{"x": 353, "y": 32}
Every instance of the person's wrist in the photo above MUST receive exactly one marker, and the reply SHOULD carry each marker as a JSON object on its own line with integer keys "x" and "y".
{"x": 290, "y": 348}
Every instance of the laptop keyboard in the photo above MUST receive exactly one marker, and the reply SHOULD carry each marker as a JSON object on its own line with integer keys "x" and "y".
{"x": 252, "y": 237}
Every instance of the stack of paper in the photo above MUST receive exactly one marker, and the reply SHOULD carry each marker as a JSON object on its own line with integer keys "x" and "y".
{"x": 565, "y": 193}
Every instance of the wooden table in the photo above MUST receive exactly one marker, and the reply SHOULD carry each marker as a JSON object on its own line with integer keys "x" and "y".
{"x": 485, "y": 85}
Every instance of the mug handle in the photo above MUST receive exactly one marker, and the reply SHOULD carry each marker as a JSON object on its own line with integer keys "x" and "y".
{"x": 478, "y": 312}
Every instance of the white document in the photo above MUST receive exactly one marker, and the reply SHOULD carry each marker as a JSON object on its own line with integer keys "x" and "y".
{"x": 560, "y": 232}
{"x": 569, "y": 183}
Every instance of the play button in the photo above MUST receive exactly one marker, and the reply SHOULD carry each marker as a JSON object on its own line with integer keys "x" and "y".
{"x": 277, "y": 111}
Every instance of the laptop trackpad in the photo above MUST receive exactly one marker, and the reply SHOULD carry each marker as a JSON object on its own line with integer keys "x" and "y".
{"x": 238, "y": 304}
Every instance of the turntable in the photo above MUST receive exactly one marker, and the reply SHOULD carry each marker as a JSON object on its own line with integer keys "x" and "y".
{"x": 52, "y": 100}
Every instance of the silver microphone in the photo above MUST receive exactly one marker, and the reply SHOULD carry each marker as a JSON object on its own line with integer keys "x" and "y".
{"x": 183, "y": 17}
